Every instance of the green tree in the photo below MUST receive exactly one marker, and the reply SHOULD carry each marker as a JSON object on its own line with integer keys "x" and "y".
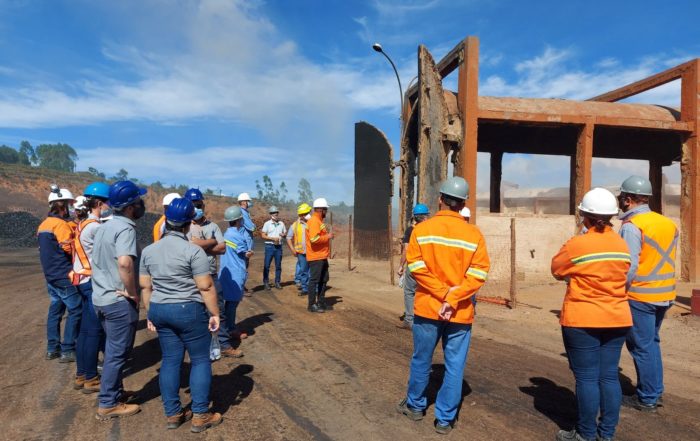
{"x": 8, "y": 155}
{"x": 26, "y": 149}
{"x": 157, "y": 186}
{"x": 122, "y": 175}
{"x": 305, "y": 193}
{"x": 95, "y": 172}
{"x": 56, "y": 157}
{"x": 209, "y": 192}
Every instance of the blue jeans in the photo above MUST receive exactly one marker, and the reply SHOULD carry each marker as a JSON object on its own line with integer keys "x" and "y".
{"x": 224, "y": 339}
{"x": 594, "y": 356}
{"x": 455, "y": 345}
{"x": 301, "y": 276}
{"x": 270, "y": 252}
{"x": 643, "y": 343}
{"x": 230, "y": 308}
{"x": 409, "y": 294}
{"x": 91, "y": 337}
{"x": 183, "y": 326}
{"x": 119, "y": 323}
{"x": 62, "y": 298}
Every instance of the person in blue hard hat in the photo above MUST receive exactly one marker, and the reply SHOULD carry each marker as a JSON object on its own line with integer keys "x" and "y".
{"x": 420, "y": 213}
{"x": 180, "y": 298}
{"x": 91, "y": 336}
{"x": 115, "y": 294}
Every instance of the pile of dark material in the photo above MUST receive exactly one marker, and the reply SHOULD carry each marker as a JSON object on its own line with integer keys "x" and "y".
{"x": 144, "y": 229}
{"x": 18, "y": 229}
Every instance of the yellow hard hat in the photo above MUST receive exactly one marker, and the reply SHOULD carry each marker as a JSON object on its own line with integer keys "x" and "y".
{"x": 303, "y": 208}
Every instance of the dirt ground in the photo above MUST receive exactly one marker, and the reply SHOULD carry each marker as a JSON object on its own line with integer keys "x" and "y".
{"x": 336, "y": 376}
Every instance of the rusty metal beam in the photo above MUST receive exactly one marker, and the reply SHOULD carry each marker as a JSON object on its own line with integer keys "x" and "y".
{"x": 446, "y": 66}
{"x": 690, "y": 175}
{"x": 645, "y": 84}
{"x": 468, "y": 102}
{"x": 581, "y": 166}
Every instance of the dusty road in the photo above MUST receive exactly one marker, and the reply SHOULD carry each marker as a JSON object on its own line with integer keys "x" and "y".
{"x": 334, "y": 376}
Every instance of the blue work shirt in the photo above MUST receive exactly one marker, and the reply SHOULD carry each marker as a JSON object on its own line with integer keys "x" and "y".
{"x": 232, "y": 266}
{"x": 248, "y": 227}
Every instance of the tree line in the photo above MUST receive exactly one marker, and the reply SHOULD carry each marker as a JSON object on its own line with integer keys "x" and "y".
{"x": 58, "y": 156}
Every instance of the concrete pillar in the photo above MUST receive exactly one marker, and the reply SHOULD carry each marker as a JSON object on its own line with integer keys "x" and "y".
{"x": 496, "y": 175}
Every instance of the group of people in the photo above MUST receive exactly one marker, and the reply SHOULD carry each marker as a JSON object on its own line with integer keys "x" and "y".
{"x": 96, "y": 272}
{"x": 619, "y": 288}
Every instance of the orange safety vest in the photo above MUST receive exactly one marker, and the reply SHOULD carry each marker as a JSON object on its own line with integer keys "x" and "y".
{"x": 655, "y": 280}
{"x": 158, "y": 229}
{"x": 81, "y": 262}
{"x": 317, "y": 241}
{"x": 448, "y": 259}
{"x": 299, "y": 229}
{"x": 596, "y": 265}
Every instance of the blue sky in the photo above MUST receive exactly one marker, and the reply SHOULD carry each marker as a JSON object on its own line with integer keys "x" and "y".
{"x": 218, "y": 93}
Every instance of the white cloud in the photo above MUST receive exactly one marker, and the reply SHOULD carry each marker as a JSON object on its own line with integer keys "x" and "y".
{"x": 393, "y": 8}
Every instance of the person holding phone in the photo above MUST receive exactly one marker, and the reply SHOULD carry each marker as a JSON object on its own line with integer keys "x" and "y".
{"x": 179, "y": 295}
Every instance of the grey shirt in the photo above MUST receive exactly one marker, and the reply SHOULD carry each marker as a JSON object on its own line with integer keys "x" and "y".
{"x": 113, "y": 239}
{"x": 87, "y": 239}
{"x": 208, "y": 230}
{"x": 173, "y": 263}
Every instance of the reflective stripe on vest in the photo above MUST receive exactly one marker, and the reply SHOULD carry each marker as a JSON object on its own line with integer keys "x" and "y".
{"x": 299, "y": 237}
{"x": 81, "y": 266}
{"x": 655, "y": 280}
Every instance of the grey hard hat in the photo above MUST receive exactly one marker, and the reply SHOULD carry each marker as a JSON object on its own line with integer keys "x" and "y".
{"x": 233, "y": 213}
{"x": 636, "y": 185}
{"x": 273, "y": 209}
{"x": 455, "y": 187}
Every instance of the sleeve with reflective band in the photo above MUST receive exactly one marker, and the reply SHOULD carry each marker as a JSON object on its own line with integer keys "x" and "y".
{"x": 317, "y": 241}
{"x": 655, "y": 280}
{"x": 55, "y": 239}
{"x": 81, "y": 262}
{"x": 596, "y": 265}
{"x": 158, "y": 229}
{"x": 231, "y": 244}
{"x": 448, "y": 259}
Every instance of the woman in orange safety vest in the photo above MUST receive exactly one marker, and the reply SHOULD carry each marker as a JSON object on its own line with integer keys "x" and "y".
{"x": 595, "y": 317}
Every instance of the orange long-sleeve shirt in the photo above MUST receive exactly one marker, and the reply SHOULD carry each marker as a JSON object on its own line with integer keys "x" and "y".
{"x": 446, "y": 252}
{"x": 317, "y": 240}
{"x": 158, "y": 229}
{"x": 596, "y": 264}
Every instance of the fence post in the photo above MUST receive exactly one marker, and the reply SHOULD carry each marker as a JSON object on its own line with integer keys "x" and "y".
{"x": 391, "y": 248}
{"x": 350, "y": 243}
{"x": 513, "y": 286}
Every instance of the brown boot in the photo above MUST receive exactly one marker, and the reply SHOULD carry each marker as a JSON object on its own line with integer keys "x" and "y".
{"x": 178, "y": 420}
{"x": 118, "y": 411}
{"x": 91, "y": 386}
{"x": 79, "y": 382}
{"x": 232, "y": 353}
{"x": 203, "y": 421}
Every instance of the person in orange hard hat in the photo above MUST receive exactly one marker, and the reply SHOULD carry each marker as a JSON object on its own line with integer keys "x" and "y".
{"x": 448, "y": 259}
{"x": 595, "y": 317}
{"x": 296, "y": 241}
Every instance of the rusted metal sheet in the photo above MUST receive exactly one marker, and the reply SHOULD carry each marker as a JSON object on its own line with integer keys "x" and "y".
{"x": 468, "y": 100}
{"x": 690, "y": 176}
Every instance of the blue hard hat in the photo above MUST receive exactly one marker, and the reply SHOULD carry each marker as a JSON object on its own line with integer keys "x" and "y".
{"x": 421, "y": 209}
{"x": 194, "y": 194}
{"x": 179, "y": 211}
{"x": 97, "y": 189}
{"x": 123, "y": 193}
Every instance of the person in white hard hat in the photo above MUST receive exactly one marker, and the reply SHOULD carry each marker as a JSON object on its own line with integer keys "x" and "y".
{"x": 55, "y": 239}
{"x": 318, "y": 240}
{"x": 81, "y": 209}
{"x": 246, "y": 203}
{"x": 272, "y": 233}
{"x": 159, "y": 227}
{"x": 595, "y": 316}
{"x": 466, "y": 213}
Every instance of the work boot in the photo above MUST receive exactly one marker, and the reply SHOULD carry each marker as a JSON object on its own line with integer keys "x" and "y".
{"x": 570, "y": 435}
{"x": 50, "y": 355}
{"x": 414, "y": 415}
{"x": 405, "y": 325}
{"x": 634, "y": 402}
{"x": 278, "y": 285}
{"x": 203, "y": 421}
{"x": 178, "y": 420}
{"x": 67, "y": 357}
{"x": 600, "y": 438}
{"x": 315, "y": 308}
{"x": 442, "y": 429}
{"x": 79, "y": 381}
{"x": 118, "y": 411}
{"x": 91, "y": 386}
{"x": 239, "y": 335}
{"x": 232, "y": 353}
{"x": 267, "y": 287}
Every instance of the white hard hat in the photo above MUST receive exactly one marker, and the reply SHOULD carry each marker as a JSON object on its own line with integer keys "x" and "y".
{"x": 244, "y": 197}
{"x": 599, "y": 201}
{"x": 465, "y": 212}
{"x": 80, "y": 203}
{"x": 321, "y": 203}
{"x": 170, "y": 197}
{"x": 60, "y": 195}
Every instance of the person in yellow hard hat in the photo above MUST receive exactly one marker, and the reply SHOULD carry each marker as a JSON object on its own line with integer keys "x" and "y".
{"x": 296, "y": 240}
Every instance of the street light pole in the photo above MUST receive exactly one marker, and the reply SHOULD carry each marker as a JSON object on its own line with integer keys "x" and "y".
{"x": 378, "y": 47}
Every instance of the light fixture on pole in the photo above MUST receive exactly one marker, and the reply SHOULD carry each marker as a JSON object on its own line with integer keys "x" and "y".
{"x": 378, "y": 47}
